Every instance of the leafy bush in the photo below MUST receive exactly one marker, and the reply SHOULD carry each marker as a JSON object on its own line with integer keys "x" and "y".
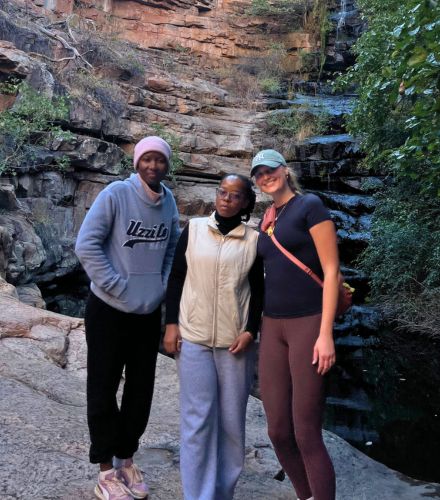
{"x": 405, "y": 245}
{"x": 286, "y": 9}
{"x": 398, "y": 66}
{"x": 174, "y": 141}
{"x": 33, "y": 120}
{"x": 297, "y": 123}
{"x": 270, "y": 85}
{"x": 403, "y": 257}
{"x": 397, "y": 119}
{"x": 309, "y": 61}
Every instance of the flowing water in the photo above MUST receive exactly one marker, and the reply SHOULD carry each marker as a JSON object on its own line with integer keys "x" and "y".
{"x": 341, "y": 21}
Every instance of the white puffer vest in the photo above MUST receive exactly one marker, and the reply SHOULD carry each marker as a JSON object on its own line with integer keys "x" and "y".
{"x": 215, "y": 298}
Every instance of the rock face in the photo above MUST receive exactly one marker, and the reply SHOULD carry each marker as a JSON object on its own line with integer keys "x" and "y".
{"x": 45, "y": 439}
{"x": 215, "y": 29}
{"x": 215, "y": 112}
{"x": 43, "y": 206}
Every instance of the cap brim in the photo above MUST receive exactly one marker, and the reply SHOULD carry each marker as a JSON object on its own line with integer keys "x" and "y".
{"x": 266, "y": 163}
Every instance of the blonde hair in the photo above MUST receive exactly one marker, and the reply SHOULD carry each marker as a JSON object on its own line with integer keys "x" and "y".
{"x": 292, "y": 181}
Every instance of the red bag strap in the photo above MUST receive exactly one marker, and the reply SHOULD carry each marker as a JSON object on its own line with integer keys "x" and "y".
{"x": 296, "y": 261}
{"x": 268, "y": 226}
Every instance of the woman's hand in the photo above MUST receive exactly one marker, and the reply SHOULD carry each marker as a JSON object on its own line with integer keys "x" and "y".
{"x": 241, "y": 342}
{"x": 324, "y": 353}
{"x": 172, "y": 339}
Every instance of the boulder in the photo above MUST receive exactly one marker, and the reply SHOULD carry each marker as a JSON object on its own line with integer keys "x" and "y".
{"x": 44, "y": 429}
{"x": 31, "y": 295}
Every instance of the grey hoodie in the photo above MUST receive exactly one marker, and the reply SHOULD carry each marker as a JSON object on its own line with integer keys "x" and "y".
{"x": 126, "y": 245}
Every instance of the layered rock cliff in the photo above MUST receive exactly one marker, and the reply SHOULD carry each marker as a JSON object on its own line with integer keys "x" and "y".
{"x": 194, "y": 73}
{"x": 216, "y": 29}
{"x": 172, "y": 78}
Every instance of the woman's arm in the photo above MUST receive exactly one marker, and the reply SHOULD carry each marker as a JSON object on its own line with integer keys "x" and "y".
{"x": 176, "y": 279}
{"x": 256, "y": 283}
{"x": 324, "y": 238}
{"x": 172, "y": 339}
{"x": 89, "y": 248}
{"x": 170, "y": 251}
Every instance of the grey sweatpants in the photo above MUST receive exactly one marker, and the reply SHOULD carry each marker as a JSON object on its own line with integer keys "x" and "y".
{"x": 214, "y": 390}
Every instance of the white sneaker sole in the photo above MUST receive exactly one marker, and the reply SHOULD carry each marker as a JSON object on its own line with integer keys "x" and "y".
{"x": 138, "y": 496}
{"x": 98, "y": 493}
{"x": 101, "y": 496}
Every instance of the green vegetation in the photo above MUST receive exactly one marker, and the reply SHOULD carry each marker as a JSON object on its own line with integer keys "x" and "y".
{"x": 310, "y": 61}
{"x": 270, "y": 85}
{"x": 279, "y": 8}
{"x": 321, "y": 16}
{"x": 397, "y": 119}
{"x": 264, "y": 75}
{"x": 240, "y": 83}
{"x": 298, "y": 123}
{"x": 309, "y": 15}
{"x": 270, "y": 69}
{"x": 34, "y": 120}
{"x": 126, "y": 165}
{"x": 174, "y": 141}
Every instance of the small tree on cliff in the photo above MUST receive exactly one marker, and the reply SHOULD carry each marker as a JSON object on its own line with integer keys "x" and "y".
{"x": 32, "y": 121}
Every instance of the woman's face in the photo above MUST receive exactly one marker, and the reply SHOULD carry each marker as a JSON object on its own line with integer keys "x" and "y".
{"x": 231, "y": 197}
{"x": 153, "y": 168}
{"x": 271, "y": 180}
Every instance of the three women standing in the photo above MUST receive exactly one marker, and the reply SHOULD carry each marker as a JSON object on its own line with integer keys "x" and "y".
{"x": 214, "y": 303}
{"x": 296, "y": 346}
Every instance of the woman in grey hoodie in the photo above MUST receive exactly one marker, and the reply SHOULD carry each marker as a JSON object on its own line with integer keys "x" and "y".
{"x": 126, "y": 245}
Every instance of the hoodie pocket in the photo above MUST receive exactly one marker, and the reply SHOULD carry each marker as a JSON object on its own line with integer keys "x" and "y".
{"x": 144, "y": 291}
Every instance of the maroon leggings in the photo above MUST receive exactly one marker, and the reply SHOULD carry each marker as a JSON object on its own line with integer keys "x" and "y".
{"x": 293, "y": 398}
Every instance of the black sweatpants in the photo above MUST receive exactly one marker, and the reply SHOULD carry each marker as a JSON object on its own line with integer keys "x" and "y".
{"x": 116, "y": 340}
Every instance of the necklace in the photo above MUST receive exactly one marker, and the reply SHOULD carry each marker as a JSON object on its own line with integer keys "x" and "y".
{"x": 283, "y": 207}
{"x": 281, "y": 211}
{"x": 271, "y": 228}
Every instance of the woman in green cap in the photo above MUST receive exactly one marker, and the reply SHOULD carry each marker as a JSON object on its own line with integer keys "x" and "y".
{"x": 296, "y": 347}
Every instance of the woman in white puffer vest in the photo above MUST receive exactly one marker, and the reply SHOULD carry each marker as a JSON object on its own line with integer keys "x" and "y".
{"x": 214, "y": 304}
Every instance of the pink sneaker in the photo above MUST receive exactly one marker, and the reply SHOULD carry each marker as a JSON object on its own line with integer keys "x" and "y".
{"x": 131, "y": 476}
{"x": 110, "y": 487}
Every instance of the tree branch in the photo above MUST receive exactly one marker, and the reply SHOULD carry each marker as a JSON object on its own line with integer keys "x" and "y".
{"x": 65, "y": 44}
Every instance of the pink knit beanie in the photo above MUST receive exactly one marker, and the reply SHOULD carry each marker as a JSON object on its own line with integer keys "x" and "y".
{"x": 151, "y": 143}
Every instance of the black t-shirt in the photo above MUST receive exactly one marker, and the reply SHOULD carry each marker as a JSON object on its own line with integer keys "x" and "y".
{"x": 289, "y": 292}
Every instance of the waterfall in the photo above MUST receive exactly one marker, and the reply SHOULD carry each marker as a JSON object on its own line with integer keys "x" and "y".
{"x": 341, "y": 21}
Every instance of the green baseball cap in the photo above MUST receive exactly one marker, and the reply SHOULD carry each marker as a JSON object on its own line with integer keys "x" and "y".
{"x": 269, "y": 158}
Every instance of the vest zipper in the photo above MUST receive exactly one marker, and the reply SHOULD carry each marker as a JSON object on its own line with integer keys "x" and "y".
{"x": 214, "y": 329}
